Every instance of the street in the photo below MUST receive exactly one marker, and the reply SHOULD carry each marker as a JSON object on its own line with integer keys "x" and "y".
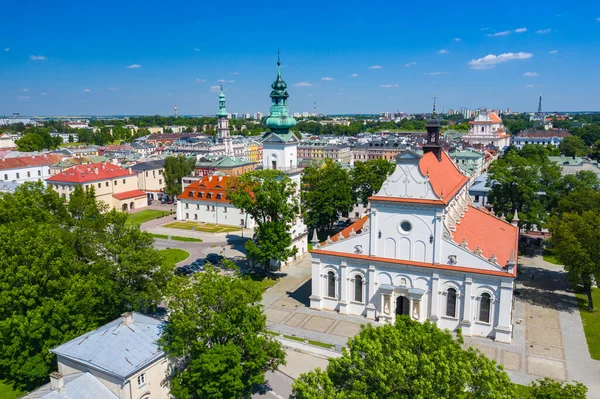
{"x": 278, "y": 386}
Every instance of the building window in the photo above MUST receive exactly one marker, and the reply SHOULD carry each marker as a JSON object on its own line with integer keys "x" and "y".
{"x": 208, "y": 207}
{"x": 331, "y": 284}
{"x": 39, "y": 172}
{"x": 5, "y": 176}
{"x": 146, "y": 174}
{"x": 224, "y": 209}
{"x": 115, "y": 182}
{"x": 187, "y": 215}
{"x": 141, "y": 380}
{"x": 123, "y": 181}
{"x": 17, "y": 175}
{"x": 159, "y": 181}
{"x": 405, "y": 226}
{"x": 106, "y": 184}
{"x": 99, "y": 185}
{"x": 242, "y": 223}
{"x": 195, "y": 217}
{"x": 358, "y": 288}
{"x": 197, "y": 207}
{"x": 187, "y": 206}
{"x": 213, "y": 208}
{"x": 219, "y": 196}
{"x": 451, "y": 302}
{"x": 484, "y": 307}
{"x": 476, "y": 198}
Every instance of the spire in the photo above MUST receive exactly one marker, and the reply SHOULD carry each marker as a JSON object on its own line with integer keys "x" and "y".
{"x": 433, "y": 135}
{"x": 540, "y": 105}
{"x": 279, "y": 120}
{"x": 434, "y": 98}
{"x": 222, "y": 110}
{"x": 515, "y": 219}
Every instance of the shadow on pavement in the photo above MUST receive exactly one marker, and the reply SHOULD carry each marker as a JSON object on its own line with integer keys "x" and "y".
{"x": 302, "y": 293}
{"x": 542, "y": 287}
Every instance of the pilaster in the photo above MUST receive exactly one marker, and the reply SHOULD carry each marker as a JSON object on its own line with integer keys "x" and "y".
{"x": 467, "y": 303}
{"x": 435, "y": 294}
{"x": 317, "y": 279}
{"x": 343, "y": 301}
{"x": 371, "y": 308}
{"x": 503, "y": 330}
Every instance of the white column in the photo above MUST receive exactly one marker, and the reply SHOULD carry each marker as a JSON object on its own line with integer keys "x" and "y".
{"x": 315, "y": 298}
{"x": 503, "y": 329}
{"x": 373, "y": 232}
{"x": 344, "y": 280}
{"x": 437, "y": 238}
{"x": 435, "y": 288}
{"x": 467, "y": 301}
{"x": 371, "y": 293}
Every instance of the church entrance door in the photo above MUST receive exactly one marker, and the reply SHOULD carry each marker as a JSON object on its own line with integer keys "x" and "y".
{"x": 402, "y": 305}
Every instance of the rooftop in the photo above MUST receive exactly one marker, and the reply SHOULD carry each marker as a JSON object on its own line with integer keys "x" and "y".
{"x": 29, "y": 161}
{"x": 150, "y": 165}
{"x": 76, "y": 386}
{"x": 90, "y": 172}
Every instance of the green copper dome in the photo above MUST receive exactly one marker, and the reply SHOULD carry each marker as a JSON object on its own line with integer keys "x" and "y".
{"x": 222, "y": 110}
{"x": 279, "y": 120}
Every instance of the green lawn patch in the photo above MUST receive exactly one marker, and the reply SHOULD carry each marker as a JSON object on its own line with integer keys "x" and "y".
{"x": 265, "y": 282}
{"x": 550, "y": 257}
{"x": 591, "y": 321}
{"x": 176, "y": 238}
{"x": 145, "y": 216}
{"x": 304, "y": 341}
{"x": 174, "y": 256}
{"x": 8, "y": 392}
{"x": 203, "y": 227}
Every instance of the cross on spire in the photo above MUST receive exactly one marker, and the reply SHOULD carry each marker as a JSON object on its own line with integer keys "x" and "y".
{"x": 278, "y": 57}
{"x": 434, "y": 98}
{"x": 221, "y": 84}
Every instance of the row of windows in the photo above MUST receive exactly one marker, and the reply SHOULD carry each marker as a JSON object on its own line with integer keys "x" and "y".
{"x": 18, "y": 175}
{"x": 358, "y": 287}
{"x": 211, "y": 208}
{"x": 208, "y": 195}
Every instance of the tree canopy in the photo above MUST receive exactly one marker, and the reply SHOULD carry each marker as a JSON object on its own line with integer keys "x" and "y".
{"x": 271, "y": 198}
{"x": 326, "y": 194}
{"x": 367, "y": 178}
{"x": 175, "y": 169}
{"x": 404, "y": 361}
{"x": 572, "y": 146}
{"x": 216, "y": 337}
{"x": 64, "y": 270}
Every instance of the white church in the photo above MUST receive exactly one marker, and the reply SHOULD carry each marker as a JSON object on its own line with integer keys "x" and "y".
{"x": 424, "y": 250}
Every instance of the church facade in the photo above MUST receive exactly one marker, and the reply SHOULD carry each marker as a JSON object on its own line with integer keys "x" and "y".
{"x": 423, "y": 250}
{"x": 487, "y": 129}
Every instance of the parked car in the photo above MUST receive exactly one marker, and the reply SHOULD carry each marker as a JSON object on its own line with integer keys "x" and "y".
{"x": 184, "y": 270}
{"x": 215, "y": 259}
{"x": 197, "y": 267}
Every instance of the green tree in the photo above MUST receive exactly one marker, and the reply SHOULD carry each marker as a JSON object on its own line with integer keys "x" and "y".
{"x": 367, "y": 178}
{"x": 326, "y": 194}
{"x": 30, "y": 142}
{"x": 64, "y": 270}
{"x": 271, "y": 198}
{"x": 216, "y": 337}
{"x": 572, "y": 146}
{"x": 175, "y": 169}
{"x": 575, "y": 238}
{"x": 404, "y": 361}
{"x": 550, "y": 389}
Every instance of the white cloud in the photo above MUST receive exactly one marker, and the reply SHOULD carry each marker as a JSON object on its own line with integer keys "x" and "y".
{"x": 6, "y": 49}
{"x": 503, "y": 33}
{"x": 197, "y": 49}
{"x": 491, "y": 60}
{"x": 553, "y": 52}
{"x": 23, "y": 98}
{"x": 520, "y": 30}
{"x": 483, "y": 29}
{"x": 434, "y": 73}
{"x": 134, "y": 66}
{"x": 529, "y": 86}
{"x": 530, "y": 74}
{"x": 25, "y": 90}
{"x": 598, "y": 19}
{"x": 326, "y": 78}
{"x": 215, "y": 88}
{"x": 235, "y": 73}
{"x": 543, "y": 31}
{"x": 354, "y": 75}
{"x": 303, "y": 84}
{"x": 410, "y": 64}
{"x": 457, "y": 39}
{"x": 198, "y": 80}
{"x": 231, "y": 81}
{"x": 443, "y": 51}
{"x": 43, "y": 93}
{"x": 37, "y": 58}
{"x": 86, "y": 90}
{"x": 388, "y": 86}
{"x": 375, "y": 67}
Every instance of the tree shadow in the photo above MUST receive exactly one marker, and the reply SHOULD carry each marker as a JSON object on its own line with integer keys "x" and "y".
{"x": 302, "y": 293}
{"x": 545, "y": 288}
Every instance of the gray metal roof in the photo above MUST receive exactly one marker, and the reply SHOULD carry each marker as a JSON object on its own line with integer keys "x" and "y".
{"x": 77, "y": 386}
{"x": 149, "y": 165}
{"x": 117, "y": 348}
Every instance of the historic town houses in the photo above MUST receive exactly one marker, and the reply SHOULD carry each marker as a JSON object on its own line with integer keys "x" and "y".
{"x": 424, "y": 250}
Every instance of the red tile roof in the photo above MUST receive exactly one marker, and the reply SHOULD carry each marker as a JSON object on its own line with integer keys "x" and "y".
{"x": 490, "y": 234}
{"x": 30, "y": 161}
{"x": 213, "y": 185}
{"x": 90, "y": 172}
{"x": 358, "y": 225}
{"x": 445, "y": 177}
{"x": 494, "y": 117}
{"x": 129, "y": 194}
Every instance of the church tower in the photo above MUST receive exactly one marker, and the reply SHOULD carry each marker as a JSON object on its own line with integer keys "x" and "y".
{"x": 433, "y": 136}
{"x": 223, "y": 125}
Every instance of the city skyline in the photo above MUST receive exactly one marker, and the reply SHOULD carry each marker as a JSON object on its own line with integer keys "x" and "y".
{"x": 76, "y": 61}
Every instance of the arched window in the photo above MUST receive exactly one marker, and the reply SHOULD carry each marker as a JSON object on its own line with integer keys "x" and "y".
{"x": 358, "y": 288}
{"x": 331, "y": 284}
{"x": 451, "y": 303}
{"x": 484, "y": 307}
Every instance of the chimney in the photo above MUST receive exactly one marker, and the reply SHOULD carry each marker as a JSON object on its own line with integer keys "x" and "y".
{"x": 127, "y": 318}
{"x": 96, "y": 170}
{"x": 57, "y": 382}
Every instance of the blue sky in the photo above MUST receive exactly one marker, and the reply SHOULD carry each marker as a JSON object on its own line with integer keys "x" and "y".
{"x": 134, "y": 57}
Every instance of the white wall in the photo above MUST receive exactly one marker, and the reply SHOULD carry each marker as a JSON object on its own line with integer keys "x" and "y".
{"x": 25, "y": 174}
{"x": 217, "y": 213}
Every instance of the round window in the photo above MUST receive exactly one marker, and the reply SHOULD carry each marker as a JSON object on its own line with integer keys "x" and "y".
{"x": 406, "y": 226}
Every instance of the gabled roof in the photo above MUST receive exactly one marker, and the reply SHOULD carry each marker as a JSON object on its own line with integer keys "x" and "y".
{"x": 491, "y": 234}
{"x": 445, "y": 177}
{"x": 215, "y": 185}
{"x": 129, "y": 194}
{"x": 77, "y": 386}
{"x": 150, "y": 165}
{"x": 288, "y": 137}
{"x": 90, "y": 172}
{"x": 117, "y": 348}
{"x": 30, "y": 161}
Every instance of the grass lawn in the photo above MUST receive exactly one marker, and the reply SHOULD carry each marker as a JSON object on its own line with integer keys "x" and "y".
{"x": 176, "y": 238}
{"x": 174, "y": 256}
{"x": 145, "y": 216}
{"x": 591, "y": 322}
{"x": 299, "y": 339}
{"x": 550, "y": 257}
{"x": 265, "y": 282}
{"x": 8, "y": 392}
{"x": 203, "y": 227}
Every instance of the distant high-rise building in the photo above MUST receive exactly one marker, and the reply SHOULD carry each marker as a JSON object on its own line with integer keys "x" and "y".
{"x": 247, "y": 116}
{"x": 235, "y": 115}
{"x": 176, "y": 111}
{"x": 258, "y": 116}
{"x": 451, "y": 112}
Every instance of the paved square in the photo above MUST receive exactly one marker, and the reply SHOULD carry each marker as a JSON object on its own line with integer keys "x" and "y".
{"x": 295, "y": 320}
{"x": 538, "y": 311}
{"x": 286, "y": 304}
{"x": 488, "y": 351}
{"x": 546, "y": 368}
{"x": 554, "y": 352}
{"x": 547, "y": 322}
{"x": 511, "y": 360}
{"x": 544, "y": 337}
{"x": 317, "y": 323}
{"x": 346, "y": 329}
{"x": 276, "y": 315}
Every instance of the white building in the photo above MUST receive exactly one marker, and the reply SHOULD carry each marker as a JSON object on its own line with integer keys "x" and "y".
{"x": 27, "y": 168}
{"x": 424, "y": 251}
{"x": 487, "y": 129}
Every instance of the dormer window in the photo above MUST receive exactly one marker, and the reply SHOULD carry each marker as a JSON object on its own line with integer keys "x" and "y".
{"x": 199, "y": 195}
{"x": 191, "y": 194}
{"x": 209, "y": 195}
{"x": 219, "y": 196}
